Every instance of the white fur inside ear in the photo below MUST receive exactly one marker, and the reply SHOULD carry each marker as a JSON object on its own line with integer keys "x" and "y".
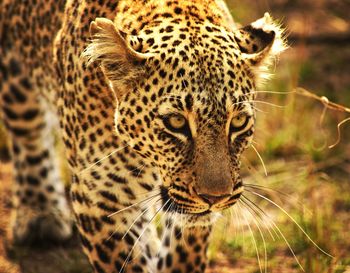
{"x": 267, "y": 24}
{"x": 119, "y": 62}
{"x": 107, "y": 41}
{"x": 106, "y": 45}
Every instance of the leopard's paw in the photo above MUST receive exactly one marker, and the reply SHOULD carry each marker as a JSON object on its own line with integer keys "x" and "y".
{"x": 31, "y": 227}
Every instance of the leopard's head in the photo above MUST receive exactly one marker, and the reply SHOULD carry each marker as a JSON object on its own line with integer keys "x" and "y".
{"x": 185, "y": 94}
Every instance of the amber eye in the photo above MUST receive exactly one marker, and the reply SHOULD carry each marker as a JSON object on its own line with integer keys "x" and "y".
{"x": 239, "y": 122}
{"x": 177, "y": 124}
{"x": 177, "y": 121}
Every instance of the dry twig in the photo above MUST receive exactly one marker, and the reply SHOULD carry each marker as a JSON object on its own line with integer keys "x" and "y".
{"x": 328, "y": 105}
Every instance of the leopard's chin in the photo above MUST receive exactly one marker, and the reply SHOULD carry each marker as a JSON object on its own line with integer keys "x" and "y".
{"x": 196, "y": 219}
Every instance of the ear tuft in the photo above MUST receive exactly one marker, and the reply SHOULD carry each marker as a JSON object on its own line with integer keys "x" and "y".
{"x": 260, "y": 43}
{"x": 120, "y": 63}
{"x": 269, "y": 26}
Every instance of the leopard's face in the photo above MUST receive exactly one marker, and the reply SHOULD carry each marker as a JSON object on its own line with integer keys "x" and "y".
{"x": 190, "y": 112}
{"x": 192, "y": 117}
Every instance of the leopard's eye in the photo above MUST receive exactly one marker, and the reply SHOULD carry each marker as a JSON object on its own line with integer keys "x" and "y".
{"x": 177, "y": 123}
{"x": 239, "y": 122}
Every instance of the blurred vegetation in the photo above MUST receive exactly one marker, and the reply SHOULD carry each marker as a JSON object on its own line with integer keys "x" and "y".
{"x": 306, "y": 178}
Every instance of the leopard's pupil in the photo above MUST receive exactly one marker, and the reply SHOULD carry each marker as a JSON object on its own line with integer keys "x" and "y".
{"x": 238, "y": 121}
{"x": 177, "y": 122}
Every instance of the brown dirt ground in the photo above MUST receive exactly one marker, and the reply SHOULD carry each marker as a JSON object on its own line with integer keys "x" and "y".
{"x": 65, "y": 258}
{"x": 5, "y": 177}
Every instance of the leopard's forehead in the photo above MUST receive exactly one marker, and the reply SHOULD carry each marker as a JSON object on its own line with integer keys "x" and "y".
{"x": 135, "y": 16}
{"x": 197, "y": 66}
{"x": 193, "y": 60}
{"x": 190, "y": 41}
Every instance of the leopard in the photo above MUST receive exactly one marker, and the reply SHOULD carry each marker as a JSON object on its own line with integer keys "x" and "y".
{"x": 154, "y": 103}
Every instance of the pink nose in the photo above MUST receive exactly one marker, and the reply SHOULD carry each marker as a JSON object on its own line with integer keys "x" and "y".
{"x": 213, "y": 199}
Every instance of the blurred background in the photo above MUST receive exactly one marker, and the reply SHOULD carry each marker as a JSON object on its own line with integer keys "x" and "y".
{"x": 307, "y": 182}
{"x": 310, "y": 181}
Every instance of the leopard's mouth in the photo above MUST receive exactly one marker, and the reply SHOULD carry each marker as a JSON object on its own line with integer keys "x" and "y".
{"x": 177, "y": 201}
{"x": 185, "y": 215}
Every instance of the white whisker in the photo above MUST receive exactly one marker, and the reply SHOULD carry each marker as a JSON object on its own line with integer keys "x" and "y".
{"x": 141, "y": 167}
{"x": 240, "y": 220}
{"x": 261, "y": 233}
{"x": 262, "y": 216}
{"x": 259, "y": 110}
{"x": 269, "y": 103}
{"x": 287, "y": 197}
{"x": 253, "y": 238}
{"x": 168, "y": 225}
{"x": 137, "y": 240}
{"x": 293, "y": 220}
{"x": 142, "y": 213}
{"x": 261, "y": 160}
{"x": 103, "y": 158}
{"x": 133, "y": 205}
{"x": 273, "y": 92}
{"x": 258, "y": 101}
{"x": 139, "y": 216}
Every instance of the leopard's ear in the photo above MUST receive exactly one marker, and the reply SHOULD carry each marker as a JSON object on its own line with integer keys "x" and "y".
{"x": 260, "y": 43}
{"x": 120, "y": 63}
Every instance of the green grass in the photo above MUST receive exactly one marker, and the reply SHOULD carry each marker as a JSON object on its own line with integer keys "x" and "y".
{"x": 293, "y": 140}
{"x": 313, "y": 204}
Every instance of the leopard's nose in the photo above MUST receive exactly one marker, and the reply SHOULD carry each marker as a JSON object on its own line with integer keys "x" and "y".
{"x": 213, "y": 199}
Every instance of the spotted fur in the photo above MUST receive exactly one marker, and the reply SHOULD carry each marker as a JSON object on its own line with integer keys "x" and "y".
{"x": 116, "y": 73}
